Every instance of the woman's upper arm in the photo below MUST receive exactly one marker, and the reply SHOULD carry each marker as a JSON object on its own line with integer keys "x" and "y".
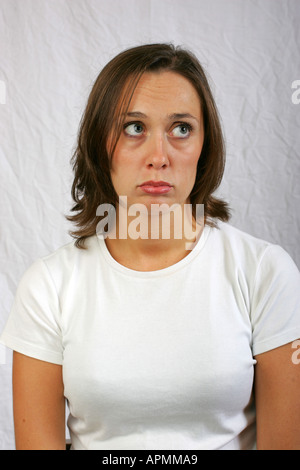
{"x": 39, "y": 404}
{"x": 277, "y": 397}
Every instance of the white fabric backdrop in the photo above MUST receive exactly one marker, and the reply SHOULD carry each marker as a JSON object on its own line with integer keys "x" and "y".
{"x": 51, "y": 52}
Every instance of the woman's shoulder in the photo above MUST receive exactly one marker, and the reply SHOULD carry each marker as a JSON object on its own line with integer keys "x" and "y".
{"x": 60, "y": 264}
{"x": 231, "y": 233}
{"x": 70, "y": 252}
{"x": 249, "y": 248}
{"x": 235, "y": 237}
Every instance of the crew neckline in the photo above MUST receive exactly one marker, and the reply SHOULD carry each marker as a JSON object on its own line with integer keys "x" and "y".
{"x": 159, "y": 272}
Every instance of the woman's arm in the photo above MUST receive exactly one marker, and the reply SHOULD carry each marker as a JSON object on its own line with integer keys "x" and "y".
{"x": 277, "y": 396}
{"x": 39, "y": 404}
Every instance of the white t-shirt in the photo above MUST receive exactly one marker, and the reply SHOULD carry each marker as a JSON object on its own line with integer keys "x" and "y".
{"x": 161, "y": 359}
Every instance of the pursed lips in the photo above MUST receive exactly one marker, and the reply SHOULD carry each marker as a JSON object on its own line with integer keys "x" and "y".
{"x": 156, "y": 187}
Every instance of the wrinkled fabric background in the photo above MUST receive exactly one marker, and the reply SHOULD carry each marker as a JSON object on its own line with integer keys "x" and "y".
{"x": 51, "y": 52}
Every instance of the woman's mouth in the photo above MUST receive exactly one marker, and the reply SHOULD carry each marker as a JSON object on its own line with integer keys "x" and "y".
{"x": 156, "y": 187}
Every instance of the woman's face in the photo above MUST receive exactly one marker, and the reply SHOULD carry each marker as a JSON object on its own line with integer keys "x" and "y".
{"x": 155, "y": 159}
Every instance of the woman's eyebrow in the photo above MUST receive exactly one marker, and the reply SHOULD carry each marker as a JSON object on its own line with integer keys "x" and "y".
{"x": 136, "y": 114}
{"x": 179, "y": 116}
{"x": 171, "y": 117}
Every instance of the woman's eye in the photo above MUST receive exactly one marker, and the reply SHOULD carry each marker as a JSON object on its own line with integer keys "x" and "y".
{"x": 182, "y": 130}
{"x": 133, "y": 129}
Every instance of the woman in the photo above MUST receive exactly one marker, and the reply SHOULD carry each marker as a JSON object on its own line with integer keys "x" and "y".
{"x": 154, "y": 345}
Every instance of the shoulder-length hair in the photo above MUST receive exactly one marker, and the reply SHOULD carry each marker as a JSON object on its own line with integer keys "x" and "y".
{"x": 101, "y": 126}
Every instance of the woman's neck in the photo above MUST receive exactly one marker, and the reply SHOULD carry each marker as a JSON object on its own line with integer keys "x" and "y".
{"x": 150, "y": 242}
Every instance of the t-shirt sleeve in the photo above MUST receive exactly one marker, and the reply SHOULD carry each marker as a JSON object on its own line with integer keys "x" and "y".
{"x": 275, "y": 306}
{"x": 33, "y": 326}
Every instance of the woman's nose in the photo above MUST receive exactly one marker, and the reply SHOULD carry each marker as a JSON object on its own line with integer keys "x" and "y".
{"x": 157, "y": 152}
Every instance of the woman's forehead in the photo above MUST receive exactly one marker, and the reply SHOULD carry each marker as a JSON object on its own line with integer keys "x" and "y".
{"x": 165, "y": 90}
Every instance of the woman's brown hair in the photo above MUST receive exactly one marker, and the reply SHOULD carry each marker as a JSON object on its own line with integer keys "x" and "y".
{"x": 102, "y": 123}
